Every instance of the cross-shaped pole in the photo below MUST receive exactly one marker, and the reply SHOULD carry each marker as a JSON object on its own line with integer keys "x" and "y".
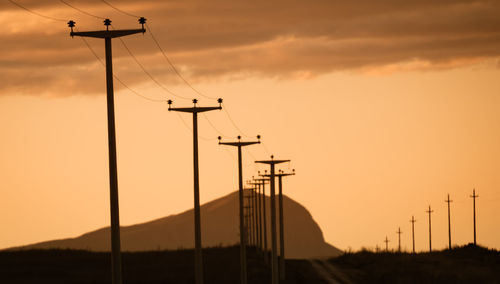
{"x": 107, "y": 35}
{"x": 198, "y": 260}
{"x": 449, "y": 221}
{"x": 474, "y": 196}
{"x": 274, "y": 258}
{"x": 429, "y": 211}
{"x": 243, "y": 238}
{"x": 399, "y": 239}
{"x": 413, "y": 231}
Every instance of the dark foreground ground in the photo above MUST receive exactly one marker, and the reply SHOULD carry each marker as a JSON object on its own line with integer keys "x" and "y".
{"x": 221, "y": 265}
{"x": 468, "y": 264}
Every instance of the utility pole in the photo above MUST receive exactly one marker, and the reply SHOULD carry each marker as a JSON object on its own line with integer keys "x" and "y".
{"x": 413, "y": 231}
{"x": 280, "y": 176}
{"x": 386, "y": 241}
{"x": 449, "y": 221}
{"x": 474, "y": 196}
{"x": 264, "y": 216}
{"x": 243, "y": 258}
{"x": 198, "y": 260}
{"x": 274, "y": 258}
{"x": 430, "y": 236}
{"x": 249, "y": 214}
{"x": 399, "y": 239}
{"x": 257, "y": 207}
{"x": 107, "y": 35}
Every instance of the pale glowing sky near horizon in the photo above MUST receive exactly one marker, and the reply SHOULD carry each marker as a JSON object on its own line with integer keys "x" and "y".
{"x": 372, "y": 144}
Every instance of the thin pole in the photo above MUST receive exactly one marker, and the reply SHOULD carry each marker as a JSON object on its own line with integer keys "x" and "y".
{"x": 198, "y": 261}
{"x": 386, "y": 241}
{"x": 255, "y": 217}
{"x": 116, "y": 262}
{"x": 274, "y": 262}
{"x": 413, "y": 231}
{"x": 430, "y": 236}
{"x": 243, "y": 257}
{"x": 474, "y": 196}
{"x": 449, "y": 221}
{"x": 264, "y": 218}
{"x": 259, "y": 201}
{"x": 399, "y": 239}
{"x": 282, "y": 230}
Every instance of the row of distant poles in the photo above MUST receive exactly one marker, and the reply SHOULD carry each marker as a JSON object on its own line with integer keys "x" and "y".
{"x": 429, "y": 211}
{"x": 277, "y": 264}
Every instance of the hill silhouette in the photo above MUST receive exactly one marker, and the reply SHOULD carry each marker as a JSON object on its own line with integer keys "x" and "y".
{"x": 303, "y": 236}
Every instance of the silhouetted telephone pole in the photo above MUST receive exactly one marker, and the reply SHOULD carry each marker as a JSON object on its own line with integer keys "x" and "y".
{"x": 256, "y": 204}
{"x": 250, "y": 212}
{"x": 399, "y": 239}
{"x": 264, "y": 216}
{"x": 413, "y": 231}
{"x": 198, "y": 261}
{"x": 107, "y": 35}
{"x": 449, "y": 221}
{"x": 243, "y": 258}
{"x": 280, "y": 176}
{"x": 430, "y": 236}
{"x": 474, "y": 196}
{"x": 274, "y": 258}
{"x": 386, "y": 241}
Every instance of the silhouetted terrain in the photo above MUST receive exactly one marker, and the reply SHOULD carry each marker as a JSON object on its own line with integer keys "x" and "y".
{"x": 468, "y": 264}
{"x": 221, "y": 266}
{"x": 220, "y": 227}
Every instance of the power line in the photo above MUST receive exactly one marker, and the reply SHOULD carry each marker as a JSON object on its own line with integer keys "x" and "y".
{"x": 115, "y": 76}
{"x": 173, "y": 66}
{"x": 36, "y": 13}
{"x": 81, "y": 11}
{"x": 157, "y": 43}
{"x": 119, "y": 10}
{"x": 149, "y": 74}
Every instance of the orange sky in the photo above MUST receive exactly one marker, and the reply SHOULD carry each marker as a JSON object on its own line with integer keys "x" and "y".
{"x": 378, "y": 124}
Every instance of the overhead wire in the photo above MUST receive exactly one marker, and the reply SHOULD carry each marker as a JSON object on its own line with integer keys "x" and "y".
{"x": 119, "y": 10}
{"x": 115, "y": 76}
{"x": 36, "y": 13}
{"x": 149, "y": 74}
{"x": 157, "y": 43}
{"x": 81, "y": 11}
{"x": 140, "y": 65}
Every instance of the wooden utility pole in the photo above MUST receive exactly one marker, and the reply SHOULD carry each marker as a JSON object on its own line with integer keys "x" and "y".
{"x": 429, "y": 211}
{"x": 263, "y": 223}
{"x": 256, "y": 202}
{"x": 280, "y": 176}
{"x": 399, "y": 239}
{"x": 198, "y": 260}
{"x": 274, "y": 258}
{"x": 249, "y": 208}
{"x": 243, "y": 238}
{"x": 386, "y": 241}
{"x": 449, "y": 221}
{"x": 413, "y": 231}
{"x": 474, "y": 196}
{"x": 107, "y": 35}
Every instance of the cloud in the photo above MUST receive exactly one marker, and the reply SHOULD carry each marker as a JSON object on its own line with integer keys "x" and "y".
{"x": 217, "y": 39}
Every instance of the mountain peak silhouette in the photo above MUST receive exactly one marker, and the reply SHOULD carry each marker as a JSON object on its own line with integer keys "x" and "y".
{"x": 220, "y": 227}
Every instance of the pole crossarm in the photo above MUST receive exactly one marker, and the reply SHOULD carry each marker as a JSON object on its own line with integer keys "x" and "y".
{"x": 241, "y": 191}
{"x": 272, "y": 162}
{"x": 193, "y": 109}
{"x": 107, "y": 34}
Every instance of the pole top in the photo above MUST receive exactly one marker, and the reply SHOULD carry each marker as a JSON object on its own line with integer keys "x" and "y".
{"x": 71, "y": 24}
{"x": 107, "y": 23}
{"x": 142, "y": 21}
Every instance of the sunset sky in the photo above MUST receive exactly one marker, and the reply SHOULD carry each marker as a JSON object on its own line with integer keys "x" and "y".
{"x": 383, "y": 107}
